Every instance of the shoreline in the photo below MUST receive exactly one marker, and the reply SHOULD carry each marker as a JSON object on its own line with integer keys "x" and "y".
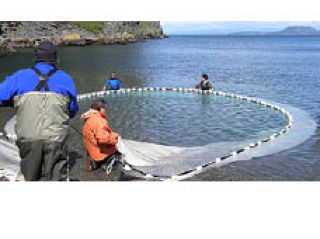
{"x": 13, "y": 46}
{"x": 19, "y": 35}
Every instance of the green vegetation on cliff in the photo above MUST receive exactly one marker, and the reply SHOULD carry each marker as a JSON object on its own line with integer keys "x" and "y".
{"x": 89, "y": 26}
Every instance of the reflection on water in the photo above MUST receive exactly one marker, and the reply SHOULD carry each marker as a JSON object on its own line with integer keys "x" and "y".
{"x": 186, "y": 119}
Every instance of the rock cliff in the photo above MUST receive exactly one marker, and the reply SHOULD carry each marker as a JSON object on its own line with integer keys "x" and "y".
{"x": 15, "y": 35}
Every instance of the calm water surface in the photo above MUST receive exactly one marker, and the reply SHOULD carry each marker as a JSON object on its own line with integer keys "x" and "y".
{"x": 285, "y": 70}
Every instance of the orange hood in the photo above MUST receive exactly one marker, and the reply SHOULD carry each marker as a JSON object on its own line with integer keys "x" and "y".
{"x": 91, "y": 113}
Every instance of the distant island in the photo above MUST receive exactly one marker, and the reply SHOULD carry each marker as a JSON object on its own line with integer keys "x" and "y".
{"x": 289, "y": 31}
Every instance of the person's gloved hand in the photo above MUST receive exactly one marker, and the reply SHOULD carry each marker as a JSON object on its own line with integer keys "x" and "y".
{"x": 114, "y": 138}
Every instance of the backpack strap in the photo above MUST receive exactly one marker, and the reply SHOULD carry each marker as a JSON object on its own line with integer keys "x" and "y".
{"x": 43, "y": 79}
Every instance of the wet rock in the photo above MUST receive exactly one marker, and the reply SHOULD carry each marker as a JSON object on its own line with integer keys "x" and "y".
{"x": 73, "y": 40}
{"x": 6, "y": 48}
{"x": 108, "y": 41}
{"x": 3, "y": 178}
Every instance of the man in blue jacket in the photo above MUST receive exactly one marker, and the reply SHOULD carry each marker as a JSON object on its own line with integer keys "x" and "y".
{"x": 45, "y": 98}
{"x": 113, "y": 83}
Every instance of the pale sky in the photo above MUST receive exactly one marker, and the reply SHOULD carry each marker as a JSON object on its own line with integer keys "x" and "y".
{"x": 195, "y": 27}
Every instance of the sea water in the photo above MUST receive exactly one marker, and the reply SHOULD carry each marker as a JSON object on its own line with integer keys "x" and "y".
{"x": 285, "y": 70}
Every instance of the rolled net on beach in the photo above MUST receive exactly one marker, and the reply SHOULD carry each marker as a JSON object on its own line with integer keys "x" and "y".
{"x": 9, "y": 153}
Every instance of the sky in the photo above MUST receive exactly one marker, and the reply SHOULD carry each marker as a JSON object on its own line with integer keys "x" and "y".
{"x": 203, "y": 28}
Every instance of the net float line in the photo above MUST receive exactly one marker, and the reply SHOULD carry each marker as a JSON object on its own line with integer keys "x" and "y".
{"x": 216, "y": 161}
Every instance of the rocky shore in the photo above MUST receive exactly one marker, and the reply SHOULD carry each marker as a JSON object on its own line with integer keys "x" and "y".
{"x": 15, "y": 35}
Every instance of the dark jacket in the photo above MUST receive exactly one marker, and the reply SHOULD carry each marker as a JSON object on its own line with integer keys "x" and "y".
{"x": 204, "y": 85}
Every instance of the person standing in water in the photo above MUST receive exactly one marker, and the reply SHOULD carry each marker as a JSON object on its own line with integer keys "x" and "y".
{"x": 45, "y": 98}
{"x": 99, "y": 139}
{"x": 113, "y": 83}
{"x": 204, "y": 84}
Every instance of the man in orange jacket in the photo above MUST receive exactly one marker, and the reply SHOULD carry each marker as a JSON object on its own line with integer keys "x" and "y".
{"x": 99, "y": 139}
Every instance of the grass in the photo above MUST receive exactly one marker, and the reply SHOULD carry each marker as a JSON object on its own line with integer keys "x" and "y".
{"x": 89, "y": 26}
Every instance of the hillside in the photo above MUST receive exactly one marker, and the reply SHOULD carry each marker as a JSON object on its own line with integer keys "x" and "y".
{"x": 15, "y": 35}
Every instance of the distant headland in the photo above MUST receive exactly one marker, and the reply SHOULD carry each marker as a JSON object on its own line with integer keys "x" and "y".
{"x": 288, "y": 31}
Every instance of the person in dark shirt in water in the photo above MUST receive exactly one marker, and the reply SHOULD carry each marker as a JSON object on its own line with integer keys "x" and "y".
{"x": 204, "y": 84}
{"x": 113, "y": 83}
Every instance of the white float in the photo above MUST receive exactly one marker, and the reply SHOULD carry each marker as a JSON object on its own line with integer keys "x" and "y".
{"x": 220, "y": 93}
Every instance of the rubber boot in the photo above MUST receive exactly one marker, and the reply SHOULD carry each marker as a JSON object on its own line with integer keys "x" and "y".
{"x": 91, "y": 164}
